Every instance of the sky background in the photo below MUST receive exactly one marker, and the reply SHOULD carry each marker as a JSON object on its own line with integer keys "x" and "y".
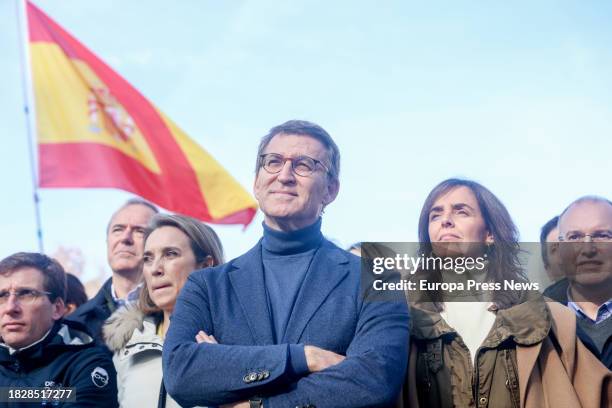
{"x": 517, "y": 96}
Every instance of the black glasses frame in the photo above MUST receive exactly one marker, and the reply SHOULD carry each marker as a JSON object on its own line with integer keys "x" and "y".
{"x": 293, "y": 160}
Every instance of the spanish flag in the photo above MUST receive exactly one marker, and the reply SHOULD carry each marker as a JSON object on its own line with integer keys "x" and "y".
{"x": 96, "y": 130}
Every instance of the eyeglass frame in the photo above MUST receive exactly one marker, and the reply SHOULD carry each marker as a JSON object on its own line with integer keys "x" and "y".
{"x": 292, "y": 160}
{"x": 584, "y": 236}
{"x": 37, "y": 294}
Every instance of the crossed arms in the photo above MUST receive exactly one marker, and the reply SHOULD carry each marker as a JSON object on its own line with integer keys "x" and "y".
{"x": 198, "y": 371}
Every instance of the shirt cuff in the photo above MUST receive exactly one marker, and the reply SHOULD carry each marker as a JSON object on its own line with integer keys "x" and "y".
{"x": 297, "y": 360}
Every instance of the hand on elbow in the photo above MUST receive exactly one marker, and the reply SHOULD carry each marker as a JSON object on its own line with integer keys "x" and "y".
{"x": 319, "y": 359}
{"x": 202, "y": 337}
{"x": 243, "y": 404}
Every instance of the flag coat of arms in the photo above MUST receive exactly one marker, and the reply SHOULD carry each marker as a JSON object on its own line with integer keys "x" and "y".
{"x": 96, "y": 130}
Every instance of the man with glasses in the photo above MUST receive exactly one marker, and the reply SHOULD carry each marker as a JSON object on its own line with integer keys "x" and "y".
{"x": 585, "y": 251}
{"x": 42, "y": 357}
{"x": 285, "y": 325}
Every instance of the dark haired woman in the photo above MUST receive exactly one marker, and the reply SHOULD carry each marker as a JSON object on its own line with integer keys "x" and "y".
{"x": 175, "y": 246}
{"x": 490, "y": 348}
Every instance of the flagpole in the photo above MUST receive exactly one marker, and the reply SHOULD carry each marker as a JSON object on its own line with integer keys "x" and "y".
{"x": 29, "y": 110}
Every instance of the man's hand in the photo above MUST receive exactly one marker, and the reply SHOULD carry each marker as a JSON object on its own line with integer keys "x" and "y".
{"x": 202, "y": 337}
{"x": 244, "y": 404}
{"x": 319, "y": 359}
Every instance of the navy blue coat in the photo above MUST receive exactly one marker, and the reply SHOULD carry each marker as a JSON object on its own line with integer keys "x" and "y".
{"x": 59, "y": 360}
{"x": 93, "y": 313}
{"x": 230, "y": 302}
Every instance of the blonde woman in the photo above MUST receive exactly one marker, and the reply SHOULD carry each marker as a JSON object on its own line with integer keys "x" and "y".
{"x": 175, "y": 246}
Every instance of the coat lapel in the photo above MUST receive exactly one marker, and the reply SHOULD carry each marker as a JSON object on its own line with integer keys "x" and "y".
{"x": 526, "y": 357}
{"x": 328, "y": 268}
{"x": 248, "y": 283}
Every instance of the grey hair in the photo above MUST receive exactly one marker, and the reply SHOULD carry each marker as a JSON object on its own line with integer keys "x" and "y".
{"x": 304, "y": 128}
{"x": 584, "y": 199}
{"x": 130, "y": 202}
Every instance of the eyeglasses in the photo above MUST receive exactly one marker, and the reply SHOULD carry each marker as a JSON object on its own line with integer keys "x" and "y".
{"x": 25, "y": 296}
{"x": 597, "y": 236}
{"x": 302, "y": 165}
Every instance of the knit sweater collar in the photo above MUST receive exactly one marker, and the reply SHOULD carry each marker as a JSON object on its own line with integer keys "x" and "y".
{"x": 292, "y": 242}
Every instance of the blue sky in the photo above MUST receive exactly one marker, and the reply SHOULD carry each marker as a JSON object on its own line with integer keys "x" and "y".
{"x": 517, "y": 96}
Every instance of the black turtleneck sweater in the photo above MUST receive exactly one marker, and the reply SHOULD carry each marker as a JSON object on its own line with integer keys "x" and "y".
{"x": 286, "y": 260}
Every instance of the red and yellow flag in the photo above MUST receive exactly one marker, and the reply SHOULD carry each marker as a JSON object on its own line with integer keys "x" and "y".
{"x": 96, "y": 130}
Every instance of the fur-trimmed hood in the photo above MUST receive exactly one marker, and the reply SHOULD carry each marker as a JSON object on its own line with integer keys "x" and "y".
{"x": 128, "y": 325}
{"x": 132, "y": 336}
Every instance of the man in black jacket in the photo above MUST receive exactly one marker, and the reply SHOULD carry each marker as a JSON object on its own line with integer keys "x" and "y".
{"x": 125, "y": 245}
{"x": 42, "y": 358}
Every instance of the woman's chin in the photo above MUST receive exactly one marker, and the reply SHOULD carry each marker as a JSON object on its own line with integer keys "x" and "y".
{"x": 164, "y": 303}
{"x": 455, "y": 249}
{"x": 448, "y": 249}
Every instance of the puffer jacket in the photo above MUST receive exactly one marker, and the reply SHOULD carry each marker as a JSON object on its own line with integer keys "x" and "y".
{"x": 65, "y": 358}
{"x": 530, "y": 358}
{"x": 137, "y": 353}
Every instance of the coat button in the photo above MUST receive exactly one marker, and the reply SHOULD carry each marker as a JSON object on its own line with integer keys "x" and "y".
{"x": 266, "y": 374}
{"x": 252, "y": 377}
{"x": 482, "y": 401}
{"x": 246, "y": 378}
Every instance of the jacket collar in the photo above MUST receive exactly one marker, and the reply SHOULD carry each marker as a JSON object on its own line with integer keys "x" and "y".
{"x": 329, "y": 266}
{"x": 148, "y": 334}
{"x": 63, "y": 336}
{"x": 527, "y": 323}
{"x": 34, "y": 346}
{"x": 103, "y": 299}
{"x": 558, "y": 291}
{"x": 129, "y": 326}
{"x": 143, "y": 340}
{"x": 428, "y": 324}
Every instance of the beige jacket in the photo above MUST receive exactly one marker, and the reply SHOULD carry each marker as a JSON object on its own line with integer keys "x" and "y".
{"x": 137, "y": 349}
{"x": 562, "y": 375}
{"x": 553, "y": 368}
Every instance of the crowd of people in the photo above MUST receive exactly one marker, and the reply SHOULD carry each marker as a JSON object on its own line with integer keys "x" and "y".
{"x": 290, "y": 324}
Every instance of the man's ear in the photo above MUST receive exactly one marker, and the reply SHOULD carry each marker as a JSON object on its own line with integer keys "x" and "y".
{"x": 333, "y": 186}
{"x": 554, "y": 247}
{"x": 255, "y": 189}
{"x": 70, "y": 307}
{"x": 59, "y": 309}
